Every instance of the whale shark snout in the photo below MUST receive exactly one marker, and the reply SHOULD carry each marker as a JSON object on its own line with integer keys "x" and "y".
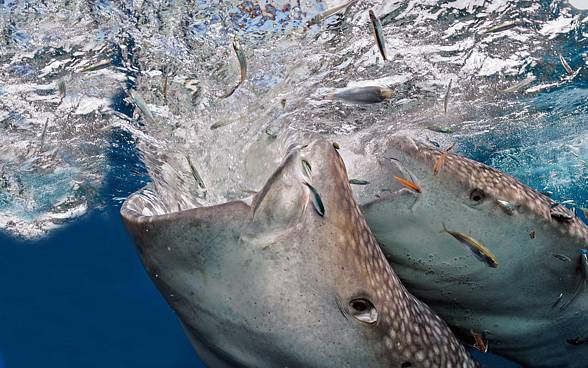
{"x": 295, "y": 278}
{"x": 510, "y": 302}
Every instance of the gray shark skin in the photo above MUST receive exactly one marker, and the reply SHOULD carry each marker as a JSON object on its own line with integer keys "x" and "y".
{"x": 276, "y": 284}
{"x": 517, "y": 306}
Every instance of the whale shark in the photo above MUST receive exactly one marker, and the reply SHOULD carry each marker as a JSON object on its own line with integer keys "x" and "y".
{"x": 526, "y": 296}
{"x": 291, "y": 277}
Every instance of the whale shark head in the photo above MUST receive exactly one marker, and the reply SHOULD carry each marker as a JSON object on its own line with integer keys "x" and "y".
{"x": 511, "y": 302}
{"x": 293, "y": 278}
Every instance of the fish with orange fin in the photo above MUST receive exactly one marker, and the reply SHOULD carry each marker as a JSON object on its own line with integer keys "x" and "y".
{"x": 478, "y": 249}
{"x": 409, "y": 184}
{"x": 479, "y": 342}
{"x": 441, "y": 160}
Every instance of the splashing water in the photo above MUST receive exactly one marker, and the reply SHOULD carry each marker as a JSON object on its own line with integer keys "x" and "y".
{"x": 159, "y": 70}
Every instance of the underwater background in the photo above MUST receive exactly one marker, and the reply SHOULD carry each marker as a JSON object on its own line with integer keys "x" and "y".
{"x": 97, "y": 98}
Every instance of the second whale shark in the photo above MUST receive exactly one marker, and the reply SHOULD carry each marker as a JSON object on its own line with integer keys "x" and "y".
{"x": 520, "y": 281}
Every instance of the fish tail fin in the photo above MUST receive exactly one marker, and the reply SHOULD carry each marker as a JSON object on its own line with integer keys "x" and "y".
{"x": 444, "y": 229}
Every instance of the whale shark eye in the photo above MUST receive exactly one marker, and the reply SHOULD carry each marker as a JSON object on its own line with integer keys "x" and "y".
{"x": 363, "y": 310}
{"x": 477, "y": 195}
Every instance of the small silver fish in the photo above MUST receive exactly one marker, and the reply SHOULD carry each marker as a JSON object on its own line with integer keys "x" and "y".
{"x": 99, "y": 65}
{"x": 242, "y": 67}
{"x": 478, "y": 249}
{"x": 446, "y": 130}
{"x": 441, "y": 160}
{"x": 566, "y": 66}
{"x": 562, "y": 257}
{"x": 140, "y": 103}
{"x": 327, "y": 13}
{"x": 306, "y": 169}
{"x": 62, "y": 90}
{"x": 503, "y": 26}
{"x": 317, "y": 202}
{"x": 195, "y": 89}
{"x": 364, "y": 95}
{"x": 358, "y": 182}
{"x": 223, "y": 123}
{"x": 517, "y": 86}
{"x": 446, "y": 100}
{"x": 195, "y": 174}
{"x": 164, "y": 85}
{"x": 43, "y": 134}
{"x": 376, "y": 27}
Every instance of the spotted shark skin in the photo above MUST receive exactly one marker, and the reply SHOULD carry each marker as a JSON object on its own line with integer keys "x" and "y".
{"x": 272, "y": 282}
{"x": 516, "y": 305}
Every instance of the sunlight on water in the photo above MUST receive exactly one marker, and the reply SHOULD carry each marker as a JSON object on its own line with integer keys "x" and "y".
{"x": 178, "y": 62}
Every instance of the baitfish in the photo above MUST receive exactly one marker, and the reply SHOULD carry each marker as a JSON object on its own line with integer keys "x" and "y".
{"x": 307, "y": 169}
{"x": 327, "y": 13}
{"x": 62, "y": 90}
{"x": 317, "y": 202}
{"x": 478, "y": 249}
{"x": 562, "y": 257}
{"x": 358, "y": 182}
{"x": 43, "y": 134}
{"x": 446, "y": 99}
{"x": 99, "y": 65}
{"x": 566, "y": 66}
{"x": 376, "y": 27}
{"x": 503, "y": 26}
{"x": 446, "y": 130}
{"x": 409, "y": 184}
{"x": 519, "y": 85}
{"x": 195, "y": 173}
{"x": 364, "y": 95}
{"x": 441, "y": 160}
{"x": 142, "y": 105}
{"x": 242, "y": 67}
{"x": 479, "y": 342}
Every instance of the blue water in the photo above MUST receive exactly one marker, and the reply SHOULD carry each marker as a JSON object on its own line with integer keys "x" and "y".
{"x": 81, "y": 298}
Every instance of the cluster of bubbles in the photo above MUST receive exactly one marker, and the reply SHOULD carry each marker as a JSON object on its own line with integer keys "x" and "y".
{"x": 86, "y": 84}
